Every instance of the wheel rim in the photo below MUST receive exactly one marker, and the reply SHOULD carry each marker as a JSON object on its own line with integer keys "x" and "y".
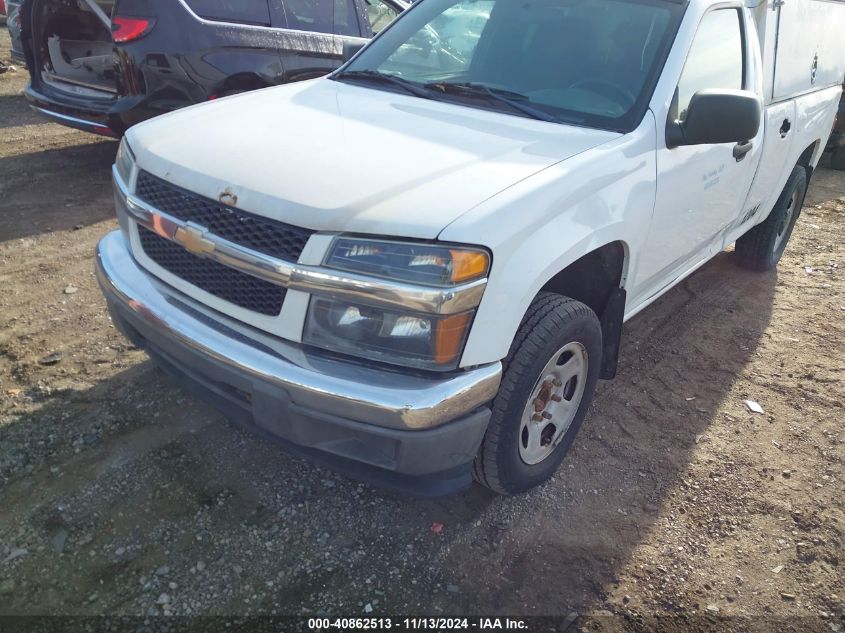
{"x": 554, "y": 401}
{"x": 783, "y": 229}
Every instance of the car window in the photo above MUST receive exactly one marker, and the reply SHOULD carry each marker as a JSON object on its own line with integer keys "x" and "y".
{"x": 323, "y": 16}
{"x": 345, "y": 18}
{"x": 379, "y": 14}
{"x": 583, "y": 61}
{"x": 246, "y": 11}
{"x": 716, "y": 59}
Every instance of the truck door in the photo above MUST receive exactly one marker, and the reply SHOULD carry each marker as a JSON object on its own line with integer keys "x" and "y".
{"x": 700, "y": 188}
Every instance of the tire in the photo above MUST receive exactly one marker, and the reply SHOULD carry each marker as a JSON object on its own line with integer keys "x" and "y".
{"x": 837, "y": 159}
{"x": 762, "y": 247}
{"x": 554, "y": 328}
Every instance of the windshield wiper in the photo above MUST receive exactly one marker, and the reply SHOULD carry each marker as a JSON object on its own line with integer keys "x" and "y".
{"x": 374, "y": 76}
{"x": 512, "y": 99}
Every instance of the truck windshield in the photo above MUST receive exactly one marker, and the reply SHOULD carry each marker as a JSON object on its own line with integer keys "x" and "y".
{"x": 585, "y": 62}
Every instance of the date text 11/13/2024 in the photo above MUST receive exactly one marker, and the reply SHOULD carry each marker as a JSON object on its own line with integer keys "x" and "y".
{"x": 414, "y": 624}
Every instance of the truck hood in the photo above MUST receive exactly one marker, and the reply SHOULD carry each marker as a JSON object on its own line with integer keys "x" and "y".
{"x": 331, "y": 156}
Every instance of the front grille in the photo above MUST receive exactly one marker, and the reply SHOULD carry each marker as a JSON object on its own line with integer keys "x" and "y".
{"x": 229, "y": 284}
{"x": 276, "y": 239}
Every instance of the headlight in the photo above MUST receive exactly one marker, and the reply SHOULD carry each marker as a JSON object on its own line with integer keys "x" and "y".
{"x": 124, "y": 161}
{"x": 411, "y": 340}
{"x": 407, "y": 338}
{"x": 426, "y": 264}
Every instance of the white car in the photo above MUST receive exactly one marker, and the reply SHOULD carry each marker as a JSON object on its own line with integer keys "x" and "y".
{"x": 418, "y": 267}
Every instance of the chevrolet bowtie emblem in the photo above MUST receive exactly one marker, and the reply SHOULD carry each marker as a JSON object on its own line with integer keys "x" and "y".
{"x": 193, "y": 241}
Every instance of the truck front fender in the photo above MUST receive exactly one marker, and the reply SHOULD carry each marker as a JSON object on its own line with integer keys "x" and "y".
{"x": 544, "y": 224}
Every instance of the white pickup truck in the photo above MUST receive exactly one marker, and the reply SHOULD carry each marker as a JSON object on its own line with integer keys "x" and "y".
{"x": 417, "y": 268}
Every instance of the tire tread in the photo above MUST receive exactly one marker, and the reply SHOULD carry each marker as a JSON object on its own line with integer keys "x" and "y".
{"x": 753, "y": 250}
{"x": 548, "y": 312}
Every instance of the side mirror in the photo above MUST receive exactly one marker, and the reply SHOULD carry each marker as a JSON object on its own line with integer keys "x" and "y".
{"x": 350, "y": 49}
{"x": 717, "y": 116}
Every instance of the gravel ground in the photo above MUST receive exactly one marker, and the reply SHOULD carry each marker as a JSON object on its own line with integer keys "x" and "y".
{"x": 121, "y": 494}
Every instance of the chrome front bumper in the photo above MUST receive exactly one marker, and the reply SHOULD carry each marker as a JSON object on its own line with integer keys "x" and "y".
{"x": 406, "y": 423}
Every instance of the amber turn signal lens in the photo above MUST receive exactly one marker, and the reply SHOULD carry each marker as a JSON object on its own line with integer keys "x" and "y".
{"x": 449, "y": 337}
{"x": 467, "y": 265}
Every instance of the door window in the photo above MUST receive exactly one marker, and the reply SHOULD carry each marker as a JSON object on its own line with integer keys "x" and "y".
{"x": 323, "y": 16}
{"x": 345, "y": 18}
{"x": 244, "y": 11}
{"x": 379, "y": 14}
{"x": 716, "y": 59}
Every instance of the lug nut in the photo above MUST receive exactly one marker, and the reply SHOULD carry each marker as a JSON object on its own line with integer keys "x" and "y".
{"x": 556, "y": 398}
{"x": 537, "y": 417}
{"x": 557, "y": 383}
{"x": 547, "y": 415}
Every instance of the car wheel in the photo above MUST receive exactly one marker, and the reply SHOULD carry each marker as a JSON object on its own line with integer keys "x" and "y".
{"x": 549, "y": 380}
{"x": 762, "y": 247}
{"x": 837, "y": 159}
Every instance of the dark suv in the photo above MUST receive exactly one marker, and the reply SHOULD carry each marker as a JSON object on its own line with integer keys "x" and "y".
{"x": 104, "y": 65}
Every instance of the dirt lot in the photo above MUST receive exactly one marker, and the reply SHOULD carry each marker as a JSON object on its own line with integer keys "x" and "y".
{"x": 121, "y": 494}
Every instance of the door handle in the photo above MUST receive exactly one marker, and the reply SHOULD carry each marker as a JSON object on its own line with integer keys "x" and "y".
{"x": 741, "y": 149}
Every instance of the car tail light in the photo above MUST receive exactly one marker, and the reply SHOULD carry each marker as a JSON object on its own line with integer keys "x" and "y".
{"x": 2, "y": 7}
{"x": 128, "y": 29}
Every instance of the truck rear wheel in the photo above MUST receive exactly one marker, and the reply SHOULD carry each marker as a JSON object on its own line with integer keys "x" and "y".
{"x": 762, "y": 247}
{"x": 549, "y": 381}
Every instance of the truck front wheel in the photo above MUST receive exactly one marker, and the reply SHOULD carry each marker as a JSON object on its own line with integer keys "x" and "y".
{"x": 762, "y": 247}
{"x": 549, "y": 381}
